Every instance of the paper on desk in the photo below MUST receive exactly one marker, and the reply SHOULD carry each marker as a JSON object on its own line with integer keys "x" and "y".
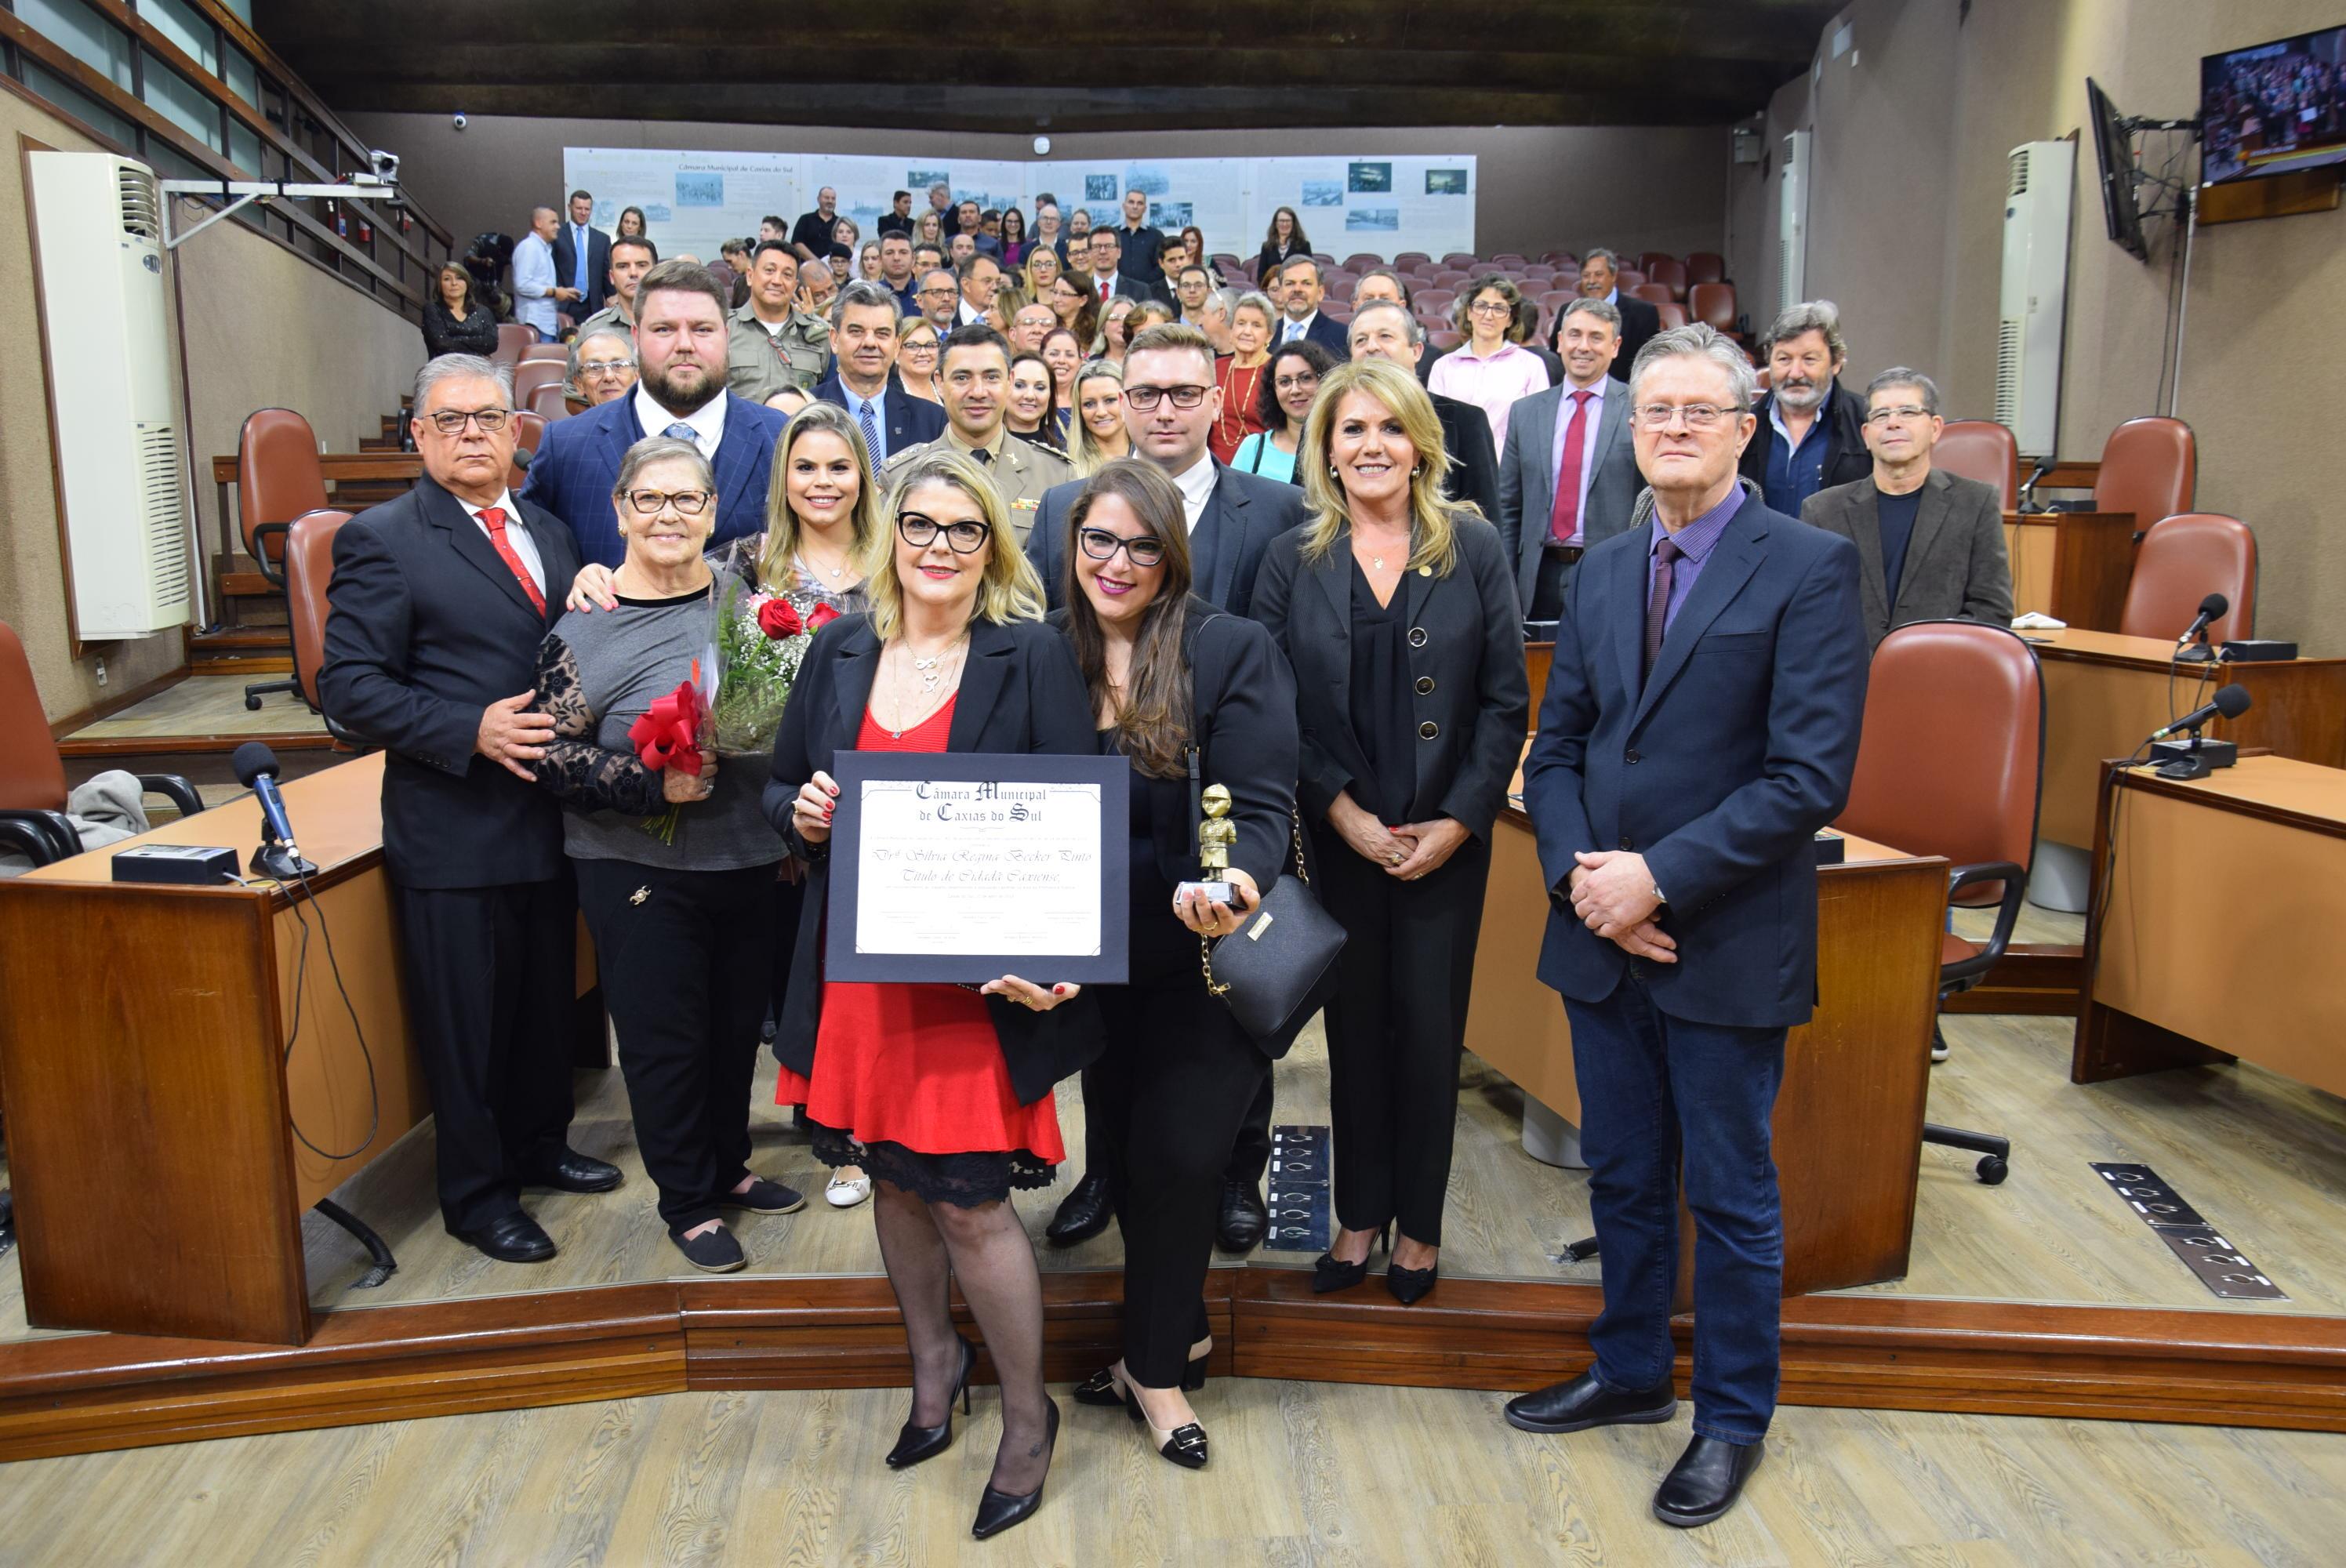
{"x": 2035, "y": 622}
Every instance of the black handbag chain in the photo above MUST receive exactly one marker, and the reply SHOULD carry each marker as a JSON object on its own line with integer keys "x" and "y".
{"x": 1198, "y": 819}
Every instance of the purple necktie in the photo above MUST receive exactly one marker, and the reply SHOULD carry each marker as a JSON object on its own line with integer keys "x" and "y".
{"x": 1657, "y": 606}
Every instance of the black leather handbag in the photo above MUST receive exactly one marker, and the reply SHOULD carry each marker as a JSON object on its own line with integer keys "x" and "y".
{"x": 1278, "y": 968}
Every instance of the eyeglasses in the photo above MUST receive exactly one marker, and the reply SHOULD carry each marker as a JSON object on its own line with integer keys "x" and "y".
{"x": 650, "y": 503}
{"x": 451, "y": 421}
{"x": 1490, "y": 308}
{"x": 1297, "y": 382}
{"x": 963, "y": 538}
{"x": 1905, "y": 413}
{"x": 1145, "y": 399}
{"x": 605, "y": 367}
{"x": 1699, "y": 415}
{"x": 1142, "y": 550}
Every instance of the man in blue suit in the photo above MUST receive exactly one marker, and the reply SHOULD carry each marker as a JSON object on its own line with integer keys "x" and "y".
{"x": 680, "y": 349}
{"x": 1700, "y": 725}
{"x": 862, "y": 379}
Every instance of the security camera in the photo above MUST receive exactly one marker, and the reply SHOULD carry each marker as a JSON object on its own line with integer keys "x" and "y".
{"x": 457, "y": 119}
{"x": 1042, "y": 146}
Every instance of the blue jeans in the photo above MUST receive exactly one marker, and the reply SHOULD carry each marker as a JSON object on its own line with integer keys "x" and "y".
{"x": 1654, "y": 1088}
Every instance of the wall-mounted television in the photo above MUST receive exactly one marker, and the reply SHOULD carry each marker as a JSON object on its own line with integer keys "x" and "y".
{"x": 2275, "y": 108}
{"x": 2114, "y": 159}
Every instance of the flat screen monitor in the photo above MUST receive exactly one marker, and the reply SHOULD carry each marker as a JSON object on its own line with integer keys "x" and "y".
{"x": 2114, "y": 157}
{"x": 2275, "y": 108}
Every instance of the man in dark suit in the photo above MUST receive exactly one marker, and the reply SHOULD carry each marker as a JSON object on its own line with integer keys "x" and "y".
{"x": 582, "y": 259}
{"x": 438, "y": 603}
{"x": 1233, "y": 517}
{"x": 863, "y": 382}
{"x": 1298, "y": 295}
{"x": 1108, "y": 282}
{"x": 1386, "y": 331}
{"x": 1931, "y": 543}
{"x": 1811, "y": 432}
{"x": 1700, "y": 725}
{"x": 1568, "y": 476}
{"x": 1600, "y": 272}
{"x": 680, "y": 349}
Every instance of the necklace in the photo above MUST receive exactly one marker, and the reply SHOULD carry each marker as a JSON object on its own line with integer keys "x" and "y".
{"x": 932, "y": 672}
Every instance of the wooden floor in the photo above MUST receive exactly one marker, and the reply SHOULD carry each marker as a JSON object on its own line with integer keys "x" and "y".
{"x": 206, "y": 705}
{"x": 1304, "y": 1473}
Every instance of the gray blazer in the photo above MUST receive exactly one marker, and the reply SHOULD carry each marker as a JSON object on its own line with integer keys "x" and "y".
{"x": 1955, "y": 564}
{"x": 1528, "y": 478}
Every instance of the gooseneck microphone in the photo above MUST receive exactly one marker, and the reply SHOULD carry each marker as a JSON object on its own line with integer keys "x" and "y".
{"x": 257, "y": 769}
{"x": 2211, "y": 608}
{"x": 2231, "y": 701}
{"x": 2028, "y": 496}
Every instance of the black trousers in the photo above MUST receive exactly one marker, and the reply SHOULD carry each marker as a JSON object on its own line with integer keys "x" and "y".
{"x": 1396, "y": 1028}
{"x": 490, "y": 975}
{"x": 687, "y": 960}
{"x": 1251, "y": 1156}
{"x": 1164, "y": 1103}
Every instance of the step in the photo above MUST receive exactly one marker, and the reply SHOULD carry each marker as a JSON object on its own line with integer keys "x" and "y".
{"x": 238, "y": 639}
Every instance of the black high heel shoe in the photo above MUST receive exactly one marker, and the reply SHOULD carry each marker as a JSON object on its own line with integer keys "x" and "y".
{"x": 1328, "y": 1275}
{"x": 998, "y": 1510}
{"x": 914, "y": 1444}
{"x": 1099, "y": 1389}
{"x": 1410, "y": 1286}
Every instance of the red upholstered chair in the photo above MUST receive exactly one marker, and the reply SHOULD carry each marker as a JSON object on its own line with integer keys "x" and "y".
{"x": 1713, "y": 304}
{"x": 1669, "y": 271}
{"x": 1361, "y": 261}
{"x": 558, "y": 353}
{"x": 1453, "y": 277}
{"x": 1508, "y": 259}
{"x": 2150, "y": 467}
{"x": 1983, "y": 450}
{"x": 1951, "y": 763}
{"x": 1647, "y": 259}
{"x": 512, "y": 339}
{"x": 1628, "y": 278}
{"x": 1409, "y": 257}
{"x": 1465, "y": 259}
{"x": 532, "y": 374}
{"x": 2183, "y": 559}
{"x": 1435, "y": 300}
{"x": 278, "y": 478}
{"x": 1706, "y": 267}
{"x": 549, "y": 403}
{"x": 529, "y": 435}
{"x": 1559, "y": 257}
{"x": 1445, "y": 337}
{"x": 33, "y": 774}
{"x": 1652, "y": 293}
{"x": 1553, "y": 300}
{"x": 309, "y": 568}
{"x": 1671, "y": 314}
{"x": 1323, "y": 257}
{"x": 1336, "y": 309}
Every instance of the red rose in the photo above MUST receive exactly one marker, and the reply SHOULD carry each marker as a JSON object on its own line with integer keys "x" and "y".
{"x": 776, "y": 618}
{"x": 820, "y": 616}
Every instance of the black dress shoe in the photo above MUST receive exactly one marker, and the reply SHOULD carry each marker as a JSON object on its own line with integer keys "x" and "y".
{"x": 1083, "y": 1213}
{"x": 1410, "y": 1286}
{"x": 571, "y": 1171}
{"x": 1584, "y": 1402}
{"x": 1244, "y": 1218}
{"x": 915, "y": 1443}
{"x": 1705, "y": 1482}
{"x": 510, "y": 1238}
{"x": 998, "y": 1510}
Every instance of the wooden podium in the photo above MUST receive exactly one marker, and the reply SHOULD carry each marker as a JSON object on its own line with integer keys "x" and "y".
{"x": 2072, "y": 566}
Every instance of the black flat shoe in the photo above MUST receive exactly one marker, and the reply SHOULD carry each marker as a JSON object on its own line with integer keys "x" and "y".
{"x": 1243, "y": 1219}
{"x": 764, "y": 1197}
{"x": 711, "y": 1252}
{"x": 1329, "y": 1276}
{"x": 510, "y": 1238}
{"x": 1705, "y": 1482}
{"x": 1408, "y": 1286}
{"x": 1584, "y": 1402}
{"x": 998, "y": 1510}
{"x": 1083, "y": 1213}
{"x": 573, "y": 1172}
{"x": 914, "y": 1443}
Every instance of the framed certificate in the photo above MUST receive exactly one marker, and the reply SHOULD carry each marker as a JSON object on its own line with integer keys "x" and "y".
{"x": 960, "y": 868}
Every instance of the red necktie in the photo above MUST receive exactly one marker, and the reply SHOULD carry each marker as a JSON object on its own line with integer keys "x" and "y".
{"x": 1103, "y": 291}
{"x": 1564, "y": 522}
{"x": 493, "y": 518}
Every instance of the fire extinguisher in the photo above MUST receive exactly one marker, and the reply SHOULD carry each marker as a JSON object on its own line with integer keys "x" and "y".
{"x": 341, "y": 224}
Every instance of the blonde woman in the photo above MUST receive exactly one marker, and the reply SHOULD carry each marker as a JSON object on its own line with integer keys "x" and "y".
{"x": 1097, "y": 436}
{"x": 1413, "y": 615}
{"x": 917, "y": 350}
{"x": 943, "y": 1092}
{"x": 1041, "y": 269}
{"x": 1112, "y": 335}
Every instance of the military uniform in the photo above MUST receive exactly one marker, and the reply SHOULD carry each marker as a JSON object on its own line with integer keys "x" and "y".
{"x": 759, "y": 363}
{"x": 1020, "y": 470}
{"x": 609, "y": 319}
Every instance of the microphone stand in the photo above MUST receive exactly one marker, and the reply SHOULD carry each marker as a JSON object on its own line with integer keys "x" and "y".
{"x": 2193, "y": 764}
{"x": 2199, "y": 652}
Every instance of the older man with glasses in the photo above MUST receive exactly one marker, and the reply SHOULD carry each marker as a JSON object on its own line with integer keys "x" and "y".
{"x": 602, "y": 367}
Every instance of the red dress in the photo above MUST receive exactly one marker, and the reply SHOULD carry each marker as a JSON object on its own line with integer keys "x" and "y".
{"x": 918, "y": 1069}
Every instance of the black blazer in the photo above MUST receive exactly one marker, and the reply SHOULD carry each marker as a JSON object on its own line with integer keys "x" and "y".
{"x": 912, "y": 420}
{"x": 425, "y": 627}
{"x": 1639, "y": 323}
{"x": 1467, "y": 658}
{"x": 1020, "y": 691}
{"x": 1474, "y": 478}
{"x": 1226, "y": 548}
{"x": 1846, "y": 459}
{"x": 598, "y": 270}
{"x": 1325, "y": 330}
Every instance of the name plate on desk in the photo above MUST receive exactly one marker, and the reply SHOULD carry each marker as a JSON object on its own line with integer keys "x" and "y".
{"x": 951, "y": 868}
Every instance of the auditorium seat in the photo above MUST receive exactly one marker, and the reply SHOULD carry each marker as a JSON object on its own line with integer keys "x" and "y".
{"x": 550, "y": 401}
{"x": 1336, "y": 309}
{"x": 2150, "y": 467}
{"x": 1553, "y": 300}
{"x": 278, "y": 478}
{"x": 1436, "y": 300}
{"x": 1559, "y": 257}
{"x": 1361, "y": 261}
{"x": 1628, "y": 278}
{"x": 1705, "y": 267}
{"x": 1340, "y": 284}
{"x": 1461, "y": 259}
{"x": 1445, "y": 338}
{"x": 1672, "y": 314}
{"x": 1713, "y": 304}
{"x": 512, "y": 339}
{"x": 1323, "y": 257}
{"x": 1453, "y": 277}
{"x": 532, "y": 374}
{"x": 529, "y": 435}
{"x": 1411, "y": 258}
{"x": 309, "y": 568}
{"x": 1951, "y": 762}
{"x": 1507, "y": 260}
{"x": 1649, "y": 258}
{"x": 2183, "y": 559}
{"x": 1669, "y": 271}
{"x": 1983, "y": 450}
{"x": 558, "y": 353}
{"x": 33, "y": 773}
{"x": 1652, "y": 293}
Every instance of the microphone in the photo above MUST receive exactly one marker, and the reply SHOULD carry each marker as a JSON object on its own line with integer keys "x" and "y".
{"x": 2231, "y": 701}
{"x": 521, "y": 458}
{"x": 257, "y": 769}
{"x": 2211, "y": 608}
{"x": 2028, "y": 491}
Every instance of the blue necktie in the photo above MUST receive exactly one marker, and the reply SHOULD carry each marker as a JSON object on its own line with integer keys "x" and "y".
{"x": 681, "y": 432}
{"x": 579, "y": 260}
{"x": 870, "y": 434}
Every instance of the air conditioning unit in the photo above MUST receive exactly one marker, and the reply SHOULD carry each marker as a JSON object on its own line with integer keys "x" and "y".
{"x": 113, "y": 379}
{"x": 2035, "y": 292}
{"x": 1792, "y": 222}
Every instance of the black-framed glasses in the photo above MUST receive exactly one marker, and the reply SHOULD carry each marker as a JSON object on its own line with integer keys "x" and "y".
{"x": 963, "y": 538}
{"x": 1490, "y": 308}
{"x": 1146, "y": 399}
{"x": 1142, "y": 550}
{"x": 651, "y": 503}
{"x": 451, "y": 421}
{"x": 1297, "y": 380}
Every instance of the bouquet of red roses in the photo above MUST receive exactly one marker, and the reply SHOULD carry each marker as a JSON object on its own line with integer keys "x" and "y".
{"x": 761, "y": 639}
{"x": 669, "y": 736}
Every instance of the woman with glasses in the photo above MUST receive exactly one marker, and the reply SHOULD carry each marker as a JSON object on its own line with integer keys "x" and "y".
{"x": 1490, "y": 369}
{"x": 454, "y": 322}
{"x": 1241, "y": 375}
{"x": 1174, "y": 685}
{"x": 1407, "y": 646}
{"x": 941, "y": 1093}
{"x": 683, "y": 917}
{"x": 1014, "y": 237}
{"x": 917, "y": 349}
{"x": 1042, "y": 270}
{"x": 1098, "y": 436}
{"x": 1289, "y": 384}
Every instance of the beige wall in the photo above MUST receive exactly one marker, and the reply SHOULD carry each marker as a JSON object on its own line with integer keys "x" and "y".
{"x": 1905, "y": 234}
{"x": 262, "y": 327}
{"x": 1537, "y": 188}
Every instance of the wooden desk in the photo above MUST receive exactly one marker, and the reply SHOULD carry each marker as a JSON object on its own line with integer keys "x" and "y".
{"x": 2219, "y": 934}
{"x": 1849, "y": 1118}
{"x": 2072, "y": 566}
{"x": 1538, "y": 656}
{"x": 2104, "y": 693}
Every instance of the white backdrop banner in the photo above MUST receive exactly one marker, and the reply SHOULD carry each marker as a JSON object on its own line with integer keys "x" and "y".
{"x": 1374, "y": 205}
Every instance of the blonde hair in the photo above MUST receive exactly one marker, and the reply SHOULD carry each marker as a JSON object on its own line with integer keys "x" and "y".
{"x": 1007, "y": 591}
{"x": 1083, "y": 454}
{"x": 1434, "y": 522}
{"x": 777, "y": 557}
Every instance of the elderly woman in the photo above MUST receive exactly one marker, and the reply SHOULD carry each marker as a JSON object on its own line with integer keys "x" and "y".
{"x": 1098, "y": 435}
{"x": 1288, "y": 392}
{"x": 1241, "y": 375}
{"x": 684, "y": 916}
{"x": 1407, "y": 653}
{"x": 942, "y": 1092}
{"x": 1490, "y": 369}
{"x": 602, "y": 367}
